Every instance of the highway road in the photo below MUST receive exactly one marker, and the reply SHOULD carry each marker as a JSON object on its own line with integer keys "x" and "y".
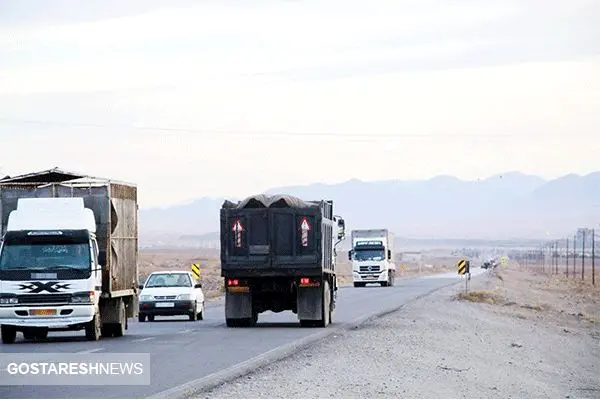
{"x": 183, "y": 351}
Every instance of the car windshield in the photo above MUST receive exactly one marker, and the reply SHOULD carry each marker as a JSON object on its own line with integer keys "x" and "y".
{"x": 368, "y": 255}
{"x": 45, "y": 256}
{"x": 169, "y": 280}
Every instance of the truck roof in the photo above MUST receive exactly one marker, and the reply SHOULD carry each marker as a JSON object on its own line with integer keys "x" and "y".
{"x": 53, "y": 213}
{"x": 58, "y": 175}
{"x": 271, "y": 201}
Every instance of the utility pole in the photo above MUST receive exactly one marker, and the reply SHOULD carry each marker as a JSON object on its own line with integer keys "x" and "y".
{"x": 556, "y": 255}
{"x": 567, "y": 257}
{"x": 583, "y": 255}
{"x": 594, "y": 257}
{"x": 574, "y": 254}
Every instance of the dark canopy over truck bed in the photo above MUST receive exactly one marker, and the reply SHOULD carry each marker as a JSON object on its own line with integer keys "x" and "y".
{"x": 277, "y": 235}
{"x": 115, "y": 208}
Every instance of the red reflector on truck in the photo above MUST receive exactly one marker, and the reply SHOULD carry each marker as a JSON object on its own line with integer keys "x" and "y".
{"x": 233, "y": 282}
{"x": 307, "y": 282}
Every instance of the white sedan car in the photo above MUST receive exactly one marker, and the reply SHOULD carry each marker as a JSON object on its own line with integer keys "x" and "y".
{"x": 168, "y": 293}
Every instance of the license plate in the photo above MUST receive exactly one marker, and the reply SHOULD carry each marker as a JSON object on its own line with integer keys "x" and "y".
{"x": 43, "y": 311}
{"x": 165, "y": 305}
{"x": 370, "y": 277}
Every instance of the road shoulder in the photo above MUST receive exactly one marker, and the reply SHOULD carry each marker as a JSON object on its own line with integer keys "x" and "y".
{"x": 518, "y": 335}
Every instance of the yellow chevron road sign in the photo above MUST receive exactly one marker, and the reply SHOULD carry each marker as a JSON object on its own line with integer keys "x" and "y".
{"x": 463, "y": 266}
{"x": 196, "y": 271}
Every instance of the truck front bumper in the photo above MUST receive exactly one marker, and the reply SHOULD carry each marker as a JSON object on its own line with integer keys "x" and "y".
{"x": 61, "y": 316}
{"x": 370, "y": 277}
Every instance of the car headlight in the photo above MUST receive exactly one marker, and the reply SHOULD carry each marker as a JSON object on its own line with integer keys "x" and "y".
{"x": 9, "y": 300}
{"x": 146, "y": 297}
{"x": 83, "y": 297}
{"x": 184, "y": 297}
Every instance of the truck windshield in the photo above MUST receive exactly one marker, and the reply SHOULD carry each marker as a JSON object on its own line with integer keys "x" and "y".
{"x": 45, "y": 256}
{"x": 369, "y": 255}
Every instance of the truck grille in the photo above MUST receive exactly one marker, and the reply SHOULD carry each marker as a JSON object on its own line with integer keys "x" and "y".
{"x": 165, "y": 297}
{"x": 44, "y": 298}
{"x": 369, "y": 268}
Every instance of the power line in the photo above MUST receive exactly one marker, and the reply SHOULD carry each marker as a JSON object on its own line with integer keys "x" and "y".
{"x": 177, "y": 130}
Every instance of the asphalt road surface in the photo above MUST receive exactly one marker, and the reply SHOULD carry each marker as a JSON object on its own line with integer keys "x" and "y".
{"x": 183, "y": 350}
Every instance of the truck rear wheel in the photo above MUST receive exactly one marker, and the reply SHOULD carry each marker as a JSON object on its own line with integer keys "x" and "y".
{"x": 118, "y": 329}
{"x": 242, "y": 322}
{"x": 9, "y": 334}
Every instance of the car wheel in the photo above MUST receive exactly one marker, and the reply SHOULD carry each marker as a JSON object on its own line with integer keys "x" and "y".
{"x": 194, "y": 314}
{"x": 201, "y": 313}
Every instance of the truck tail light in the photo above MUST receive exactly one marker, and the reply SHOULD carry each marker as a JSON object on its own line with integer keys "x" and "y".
{"x": 233, "y": 282}
{"x": 309, "y": 282}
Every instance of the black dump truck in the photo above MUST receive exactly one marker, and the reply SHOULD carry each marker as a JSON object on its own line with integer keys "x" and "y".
{"x": 278, "y": 253}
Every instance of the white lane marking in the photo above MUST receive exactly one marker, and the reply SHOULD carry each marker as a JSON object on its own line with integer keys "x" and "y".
{"x": 186, "y": 331}
{"x": 143, "y": 339}
{"x": 90, "y": 351}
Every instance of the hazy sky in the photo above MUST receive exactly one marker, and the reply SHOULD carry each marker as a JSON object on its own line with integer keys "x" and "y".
{"x": 244, "y": 96}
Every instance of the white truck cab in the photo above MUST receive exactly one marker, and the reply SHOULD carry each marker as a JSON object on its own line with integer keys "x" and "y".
{"x": 49, "y": 271}
{"x": 372, "y": 257}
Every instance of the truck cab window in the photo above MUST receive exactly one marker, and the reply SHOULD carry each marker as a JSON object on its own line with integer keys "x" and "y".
{"x": 369, "y": 255}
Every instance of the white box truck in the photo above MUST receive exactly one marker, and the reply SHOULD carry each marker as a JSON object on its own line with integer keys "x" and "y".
{"x": 68, "y": 258}
{"x": 372, "y": 257}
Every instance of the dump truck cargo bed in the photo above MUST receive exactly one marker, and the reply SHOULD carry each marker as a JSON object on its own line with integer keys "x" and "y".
{"x": 276, "y": 236}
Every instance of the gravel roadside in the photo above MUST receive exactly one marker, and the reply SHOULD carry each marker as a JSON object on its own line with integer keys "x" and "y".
{"x": 515, "y": 344}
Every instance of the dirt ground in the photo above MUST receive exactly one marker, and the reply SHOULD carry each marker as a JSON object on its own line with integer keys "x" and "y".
{"x": 517, "y": 333}
{"x": 182, "y": 259}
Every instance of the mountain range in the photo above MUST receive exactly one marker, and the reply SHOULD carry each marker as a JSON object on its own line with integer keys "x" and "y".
{"x": 505, "y": 206}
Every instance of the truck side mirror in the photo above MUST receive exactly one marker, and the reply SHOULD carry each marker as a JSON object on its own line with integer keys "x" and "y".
{"x": 350, "y": 255}
{"x": 341, "y": 228}
{"x": 389, "y": 254}
{"x": 141, "y": 287}
{"x": 198, "y": 286}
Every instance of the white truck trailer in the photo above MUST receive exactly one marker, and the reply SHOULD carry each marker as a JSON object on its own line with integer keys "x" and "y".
{"x": 372, "y": 257}
{"x": 68, "y": 259}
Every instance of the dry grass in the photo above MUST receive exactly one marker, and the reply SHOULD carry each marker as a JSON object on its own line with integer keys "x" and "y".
{"x": 528, "y": 293}
{"x": 480, "y": 296}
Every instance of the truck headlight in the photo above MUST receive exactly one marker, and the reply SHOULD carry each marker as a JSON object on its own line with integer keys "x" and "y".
{"x": 9, "y": 300}
{"x": 146, "y": 297}
{"x": 184, "y": 297}
{"x": 83, "y": 298}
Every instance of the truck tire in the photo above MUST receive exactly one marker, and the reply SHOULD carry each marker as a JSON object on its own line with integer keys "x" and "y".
{"x": 92, "y": 328}
{"x": 9, "y": 334}
{"x": 29, "y": 333}
{"x": 392, "y": 277}
{"x": 41, "y": 333}
{"x": 242, "y": 322}
{"x": 359, "y": 284}
{"x": 141, "y": 317}
{"x": 118, "y": 330}
{"x": 326, "y": 316}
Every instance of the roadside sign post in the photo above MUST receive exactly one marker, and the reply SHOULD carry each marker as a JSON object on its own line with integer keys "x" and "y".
{"x": 464, "y": 268}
